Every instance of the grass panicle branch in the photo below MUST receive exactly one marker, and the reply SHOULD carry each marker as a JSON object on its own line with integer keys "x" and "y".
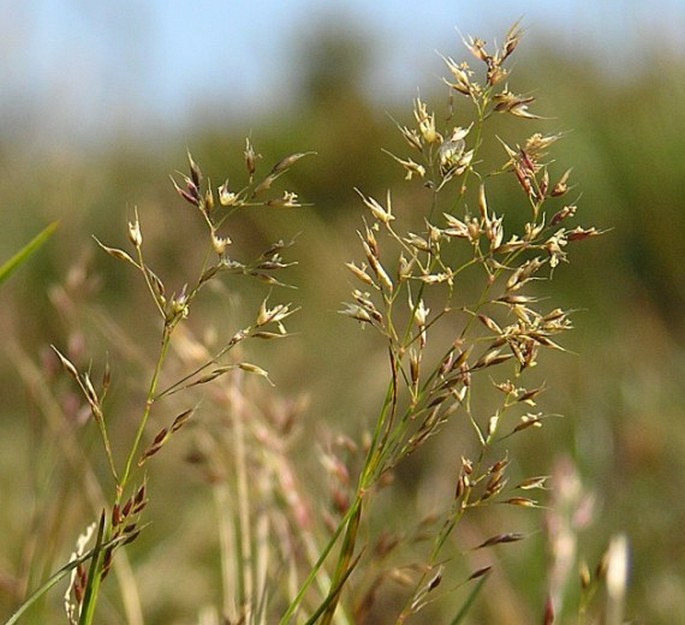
{"x": 425, "y": 392}
{"x": 120, "y": 525}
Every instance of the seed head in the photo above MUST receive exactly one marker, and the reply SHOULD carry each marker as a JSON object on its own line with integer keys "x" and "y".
{"x": 462, "y": 74}
{"x": 496, "y": 74}
{"x": 412, "y": 168}
{"x": 360, "y": 272}
{"x": 277, "y": 314}
{"x": 426, "y": 122}
{"x": 255, "y": 369}
{"x": 421, "y": 314}
{"x": 383, "y": 215}
{"x": 250, "y": 159}
{"x": 134, "y": 233}
{"x": 228, "y": 197}
{"x": 453, "y": 158}
{"x": 288, "y": 200}
{"x": 511, "y": 40}
{"x": 567, "y": 211}
{"x": 195, "y": 173}
{"x": 477, "y": 48}
{"x": 179, "y": 305}
{"x": 287, "y": 162}
{"x": 507, "y": 102}
{"x": 219, "y": 243}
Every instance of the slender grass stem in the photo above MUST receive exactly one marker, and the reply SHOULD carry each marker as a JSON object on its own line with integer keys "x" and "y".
{"x": 135, "y": 446}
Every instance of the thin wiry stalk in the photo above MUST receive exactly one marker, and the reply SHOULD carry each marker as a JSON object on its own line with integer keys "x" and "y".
{"x": 244, "y": 562}
{"x": 152, "y": 389}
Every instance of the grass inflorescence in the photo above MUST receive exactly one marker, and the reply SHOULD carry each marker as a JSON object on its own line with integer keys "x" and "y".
{"x": 455, "y": 292}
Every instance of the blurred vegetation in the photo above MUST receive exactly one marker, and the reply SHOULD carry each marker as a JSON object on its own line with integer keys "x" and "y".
{"x": 621, "y": 391}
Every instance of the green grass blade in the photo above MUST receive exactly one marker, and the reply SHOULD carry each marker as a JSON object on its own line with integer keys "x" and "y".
{"x": 331, "y": 601}
{"x": 39, "y": 592}
{"x": 94, "y": 576}
{"x": 55, "y": 578}
{"x": 7, "y": 268}
{"x": 469, "y": 601}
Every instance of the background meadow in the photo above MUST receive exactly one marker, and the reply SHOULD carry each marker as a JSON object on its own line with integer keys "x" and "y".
{"x": 98, "y": 107}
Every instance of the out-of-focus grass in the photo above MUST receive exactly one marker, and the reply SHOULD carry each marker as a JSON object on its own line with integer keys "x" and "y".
{"x": 622, "y": 394}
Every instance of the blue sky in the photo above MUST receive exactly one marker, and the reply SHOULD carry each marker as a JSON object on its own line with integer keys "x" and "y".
{"x": 71, "y": 69}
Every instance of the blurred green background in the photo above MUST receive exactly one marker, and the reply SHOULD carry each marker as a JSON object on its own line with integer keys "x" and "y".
{"x": 614, "y": 86}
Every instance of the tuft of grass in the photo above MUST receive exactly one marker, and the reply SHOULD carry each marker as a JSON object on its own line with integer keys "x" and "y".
{"x": 454, "y": 292}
